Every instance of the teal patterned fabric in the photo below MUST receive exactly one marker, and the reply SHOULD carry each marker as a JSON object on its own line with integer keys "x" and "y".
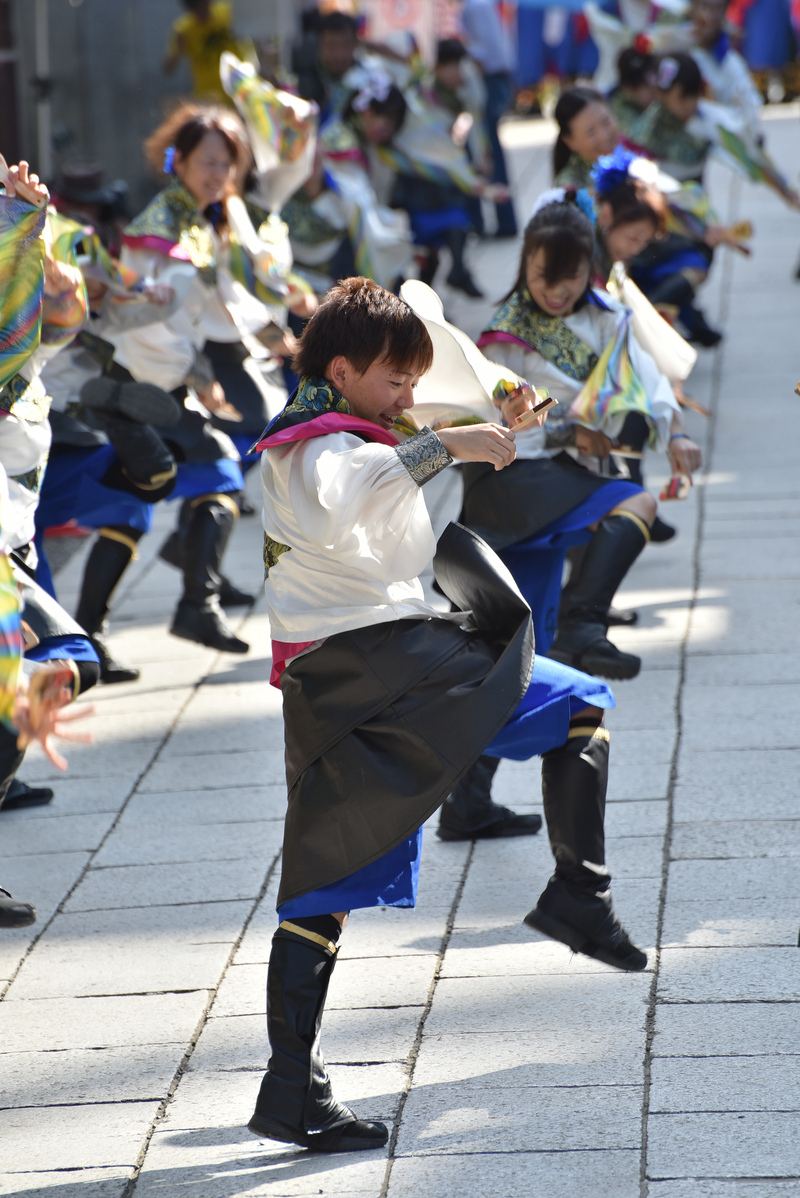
{"x": 664, "y": 138}
{"x": 548, "y": 335}
{"x": 577, "y": 173}
{"x": 312, "y": 398}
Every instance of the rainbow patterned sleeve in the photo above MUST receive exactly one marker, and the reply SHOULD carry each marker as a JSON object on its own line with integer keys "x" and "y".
{"x": 21, "y": 283}
{"x": 11, "y": 643}
{"x": 613, "y": 388}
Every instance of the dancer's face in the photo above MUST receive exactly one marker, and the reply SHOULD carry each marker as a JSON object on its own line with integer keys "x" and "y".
{"x": 708, "y": 20}
{"x": 592, "y": 132}
{"x": 625, "y": 241}
{"x": 336, "y": 52}
{"x": 207, "y": 170}
{"x": 379, "y": 395}
{"x": 377, "y": 128}
{"x": 559, "y": 298}
{"x": 681, "y": 106}
{"x": 642, "y": 95}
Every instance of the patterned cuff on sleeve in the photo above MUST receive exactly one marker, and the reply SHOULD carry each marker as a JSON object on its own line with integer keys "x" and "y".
{"x": 559, "y": 432}
{"x": 423, "y": 456}
{"x": 201, "y": 373}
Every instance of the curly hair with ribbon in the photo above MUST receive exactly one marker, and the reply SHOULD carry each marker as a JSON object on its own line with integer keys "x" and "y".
{"x": 681, "y": 71}
{"x": 370, "y": 85}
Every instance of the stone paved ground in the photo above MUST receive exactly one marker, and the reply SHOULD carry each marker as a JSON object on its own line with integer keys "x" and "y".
{"x": 132, "y": 1028}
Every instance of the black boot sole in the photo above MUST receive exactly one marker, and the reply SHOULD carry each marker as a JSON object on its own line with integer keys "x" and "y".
{"x": 500, "y": 831}
{"x": 112, "y": 677}
{"x": 633, "y": 961}
{"x": 19, "y": 915}
{"x": 37, "y": 797}
{"x": 142, "y": 403}
{"x": 466, "y": 287}
{"x": 222, "y": 646}
{"x": 332, "y": 1141}
{"x": 602, "y": 667}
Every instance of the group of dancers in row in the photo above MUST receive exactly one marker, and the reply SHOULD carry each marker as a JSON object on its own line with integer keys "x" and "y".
{"x": 155, "y": 370}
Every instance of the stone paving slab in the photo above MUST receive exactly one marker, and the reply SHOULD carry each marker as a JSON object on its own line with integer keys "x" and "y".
{"x": 701, "y": 1187}
{"x": 480, "y": 1117}
{"x": 611, "y": 1174}
{"x": 723, "y": 1028}
{"x": 99, "y": 1183}
{"x": 50, "y": 1025}
{"x": 128, "y": 952}
{"x": 746, "y": 1083}
{"x": 714, "y": 923}
{"x": 90, "y": 1076}
{"x": 145, "y": 886}
{"x": 97, "y": 1135}
{"x": 754, "y": 1144}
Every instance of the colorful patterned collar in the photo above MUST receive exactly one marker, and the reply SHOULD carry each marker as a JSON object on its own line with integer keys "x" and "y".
{"x": 520, "y": 321}
{"x": 315, "y": 409}
{"x": 173, "y": 224}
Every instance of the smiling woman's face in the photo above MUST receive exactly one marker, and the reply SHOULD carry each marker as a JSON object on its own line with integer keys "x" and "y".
{"x": 559, "y": 298}
{"x": 592, "y": 132}
{"x": 379, "y": 395}
{"x": 625, "y": 241}
{"x": 207, "y": 170}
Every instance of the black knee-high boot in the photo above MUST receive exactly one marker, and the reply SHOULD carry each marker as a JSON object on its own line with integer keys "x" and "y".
{"x": 108, "y": 560}
{"x": 10, "y": 760}
{"x": 470, "y": 813}
{"x": 172, "y": 552}
{"x": 295, "y": 1103}
{"x": 199, "y": 615}
{"x": 615, "y": 616}
{"x": 581, "y": 639}
{"x": 460, "y": 276}
{"x": 576, "y": 906}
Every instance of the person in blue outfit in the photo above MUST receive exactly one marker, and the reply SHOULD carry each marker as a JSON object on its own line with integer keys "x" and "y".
{"x": 488, "y": 44}
{"x": 387, "y": 701}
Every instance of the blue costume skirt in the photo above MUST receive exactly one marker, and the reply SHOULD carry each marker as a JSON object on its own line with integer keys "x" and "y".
{"x": 207, "y": 478}
{"x": 540, "y": 723}
{"x": 58, "y": 648}
{"x": 72, "y": 490}
{"x": 537, "y": 564}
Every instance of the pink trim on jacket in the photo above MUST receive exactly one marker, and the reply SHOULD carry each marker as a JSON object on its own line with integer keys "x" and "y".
{"x": 328, "y": 422}
{"x": 161, "y": 244}
{"x": 495, "y": 335}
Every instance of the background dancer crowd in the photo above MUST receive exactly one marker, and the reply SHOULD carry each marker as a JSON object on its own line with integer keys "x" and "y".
{"x": 282, "y": 301}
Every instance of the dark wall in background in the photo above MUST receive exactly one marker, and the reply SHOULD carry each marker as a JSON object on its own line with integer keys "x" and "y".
{"x": 108, "y": 92}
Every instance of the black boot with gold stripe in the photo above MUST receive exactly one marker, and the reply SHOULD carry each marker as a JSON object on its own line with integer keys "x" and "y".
{"x": 581, "y": 639}
{"x": 575, "y": 906}
{"x": 295, "y": 1104}
{"x": 111, "y": 554}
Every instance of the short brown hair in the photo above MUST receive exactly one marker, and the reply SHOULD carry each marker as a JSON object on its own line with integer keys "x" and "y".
{"x": 633, "y": 200}
{"x": 365, "y": 324}
{"x": 186, "y": 127}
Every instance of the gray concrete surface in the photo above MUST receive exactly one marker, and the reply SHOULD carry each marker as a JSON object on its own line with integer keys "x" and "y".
{"x": 132, "y": 1033}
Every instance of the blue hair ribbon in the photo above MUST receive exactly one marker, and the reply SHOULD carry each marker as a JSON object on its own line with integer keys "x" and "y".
{"x": 586, "y": 205}
{"x": 169, "y": 160}
{"x": 612, "y": 169}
